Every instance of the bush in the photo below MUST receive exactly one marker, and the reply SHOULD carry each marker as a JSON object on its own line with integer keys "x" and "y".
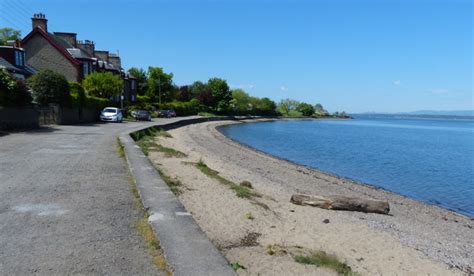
{"x": 13, "y": 92}
{"x": 49, "y": 87}
{"x": 78, "y": 96}
{"x": 104, "y": 85}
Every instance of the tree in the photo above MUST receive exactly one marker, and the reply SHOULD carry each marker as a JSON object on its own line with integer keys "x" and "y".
{"x": 306, "y": 109}
{"x": 49, "y": 87}
{"x": 160, "y": 85}
{"x": 7, "y": 34}
{"x": 266, "y": 106}
{"x": 142, "y": 79}
{"x": 103, "y": 85}
{"x": 287, "y": 105}
{"x": 240, "y": 101}
{"x": 221, "y": 93}
{"x": 184, "y": 93}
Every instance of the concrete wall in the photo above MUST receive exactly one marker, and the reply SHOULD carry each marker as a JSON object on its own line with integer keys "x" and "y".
{"x": 18, "y": 118}
{"x": 42, "y": 55}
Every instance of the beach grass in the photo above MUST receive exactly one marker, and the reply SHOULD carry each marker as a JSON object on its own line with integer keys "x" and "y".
{"x": 173, "y": 184}
{"x": 240, "y": 191}
{"x": 145, "y": 139}
{"x": 322, "y": 259}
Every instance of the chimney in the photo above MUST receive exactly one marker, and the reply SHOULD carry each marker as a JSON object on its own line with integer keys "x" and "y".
{"x": 39, "y": 21}
{"x": 115, "y": 60}
{"x": 69, "y": 37}
{"x": 103, "y": 55}
{"x": 87, "y": 46}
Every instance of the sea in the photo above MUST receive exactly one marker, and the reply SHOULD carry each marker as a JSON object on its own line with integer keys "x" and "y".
{"x": 427, "y": 158}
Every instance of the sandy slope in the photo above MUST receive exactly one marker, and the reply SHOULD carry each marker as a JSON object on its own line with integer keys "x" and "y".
{"x": 416, "y": 239}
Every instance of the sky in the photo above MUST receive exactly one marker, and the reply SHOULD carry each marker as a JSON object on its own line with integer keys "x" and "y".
{"x": 353, "y": 56}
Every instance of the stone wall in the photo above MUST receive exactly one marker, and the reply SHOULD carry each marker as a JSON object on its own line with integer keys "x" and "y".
{"x": 18, "y": 118}
{"x": 42, "y": 55}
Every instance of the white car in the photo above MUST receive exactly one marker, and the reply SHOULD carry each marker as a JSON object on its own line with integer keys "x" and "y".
{"x": 111, "y": 114}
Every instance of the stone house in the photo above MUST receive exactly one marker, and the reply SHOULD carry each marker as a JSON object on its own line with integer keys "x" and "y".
{"x": 12, "y": 58}
{"x": 75, "y": 59}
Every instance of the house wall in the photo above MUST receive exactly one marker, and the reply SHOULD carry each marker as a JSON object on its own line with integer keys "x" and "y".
{"x": 42, "y": 55}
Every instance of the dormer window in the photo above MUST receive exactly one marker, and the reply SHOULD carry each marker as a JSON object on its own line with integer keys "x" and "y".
{"x": 20, "y": 58}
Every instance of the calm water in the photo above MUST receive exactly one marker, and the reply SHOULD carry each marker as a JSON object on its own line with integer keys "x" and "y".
{"x": 424, "y": 158}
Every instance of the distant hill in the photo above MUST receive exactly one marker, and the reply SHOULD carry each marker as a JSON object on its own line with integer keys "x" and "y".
{"x": 441, "y": 112}
{"x": 460, "y": 113}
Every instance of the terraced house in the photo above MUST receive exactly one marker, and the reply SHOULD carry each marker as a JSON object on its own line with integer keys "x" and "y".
{"x": 63, "y": 53}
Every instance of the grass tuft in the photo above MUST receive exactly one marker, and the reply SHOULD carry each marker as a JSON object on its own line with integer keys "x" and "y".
{"x": 120, "y": 148}
{"x": 236, "y": 266}
{"x": 145, "y": 139}
{"x": 173, "y": 184}
{"x": 321, "y": 258}
{"x": 152, "y": 244}
{"x": 240, "y": 191}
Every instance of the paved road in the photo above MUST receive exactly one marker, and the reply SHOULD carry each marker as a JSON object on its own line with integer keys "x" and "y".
{"x": 66, "y": 205}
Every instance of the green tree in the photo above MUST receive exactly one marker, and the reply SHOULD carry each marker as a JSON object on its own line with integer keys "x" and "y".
{"x": 306, "y": 109}
{"x": 241, "y": 102}
{"x": 287, "y": 105}
{"x": 7, "y": 34}
{"x": 221, "y": 93}
{"x": 142, "y": 79}
{"x": 103, "y": 85}
{"x": 160, "y": 85}
{"x": 265, "y": 106}
{"x": 49, "y": 87}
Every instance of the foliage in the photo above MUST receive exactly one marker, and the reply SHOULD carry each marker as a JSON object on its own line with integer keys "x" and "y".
{"x": 240, "y": 191}
{"x": 243, "y": 104}
{"x": 78, "y": 96}
{"x": 221, "y": 93}
{"x": 287, "y": 105}
{"x": 184, "y": 93}
{"x": 305, "y": 109}
{"x": 142, "y": 79}
{"x": 103, "y": 85}
{"x": 13, "y": 92}
{"x": 236, "y": 266}
{"x": 160, "y": 85}
{"x": 7, "y": 34}
{"x": 49, "y": 87}
{"x": 320, "y": 258}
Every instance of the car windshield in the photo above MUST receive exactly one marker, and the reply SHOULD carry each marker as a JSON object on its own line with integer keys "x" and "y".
{"x": 110, "y": 110}
{"x": 142, "y": 112}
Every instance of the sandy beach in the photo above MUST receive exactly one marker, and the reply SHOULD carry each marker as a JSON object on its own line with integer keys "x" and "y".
{"x": 264, "y": 233}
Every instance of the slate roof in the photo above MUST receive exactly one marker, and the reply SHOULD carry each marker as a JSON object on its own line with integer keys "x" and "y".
{"x": 27, "y": 70}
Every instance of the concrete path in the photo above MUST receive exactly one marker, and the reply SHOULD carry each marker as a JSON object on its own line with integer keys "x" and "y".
{"x": 66, "y": 206}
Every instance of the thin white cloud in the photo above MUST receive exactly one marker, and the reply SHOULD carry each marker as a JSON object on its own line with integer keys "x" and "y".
{"x": 242, "y": 86}
{"x": 440, "y": 91}
{"x": 397, "y": 82}
{"x": 283, "y": 88}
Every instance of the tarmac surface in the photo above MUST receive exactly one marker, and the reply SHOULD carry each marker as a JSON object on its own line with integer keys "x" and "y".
{"x": 66, "y": 205}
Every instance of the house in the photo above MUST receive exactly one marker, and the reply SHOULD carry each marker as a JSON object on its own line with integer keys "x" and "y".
{"x": 12, "y": 58}
{"x": 75, "y": 59}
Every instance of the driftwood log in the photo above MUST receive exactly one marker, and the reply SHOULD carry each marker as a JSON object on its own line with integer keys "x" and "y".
{"x": 342, "y": 203}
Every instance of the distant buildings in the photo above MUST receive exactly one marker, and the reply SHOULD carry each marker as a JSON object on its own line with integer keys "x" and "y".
{"x": 64, "y": 54}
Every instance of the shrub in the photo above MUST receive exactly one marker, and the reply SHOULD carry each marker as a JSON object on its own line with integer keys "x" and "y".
{"x": 13, "y": 92}
{"x": 305, "y": 109}
{"x": 78, "y": 96}
{"x": 49, "y": 87}
{"x": 103, "y": 85}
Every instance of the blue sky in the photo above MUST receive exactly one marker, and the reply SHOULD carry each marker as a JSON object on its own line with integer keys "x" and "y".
{"x": 356, "y": 56}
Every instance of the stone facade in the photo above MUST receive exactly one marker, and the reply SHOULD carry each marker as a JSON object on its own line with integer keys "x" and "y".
{"x": 42, "y": 55}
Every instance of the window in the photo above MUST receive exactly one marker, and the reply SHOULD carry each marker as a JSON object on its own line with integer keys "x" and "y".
{"x": 133, "y": 85}
{"x": 19, "y": 58}
{"x": 85, "y": 69}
